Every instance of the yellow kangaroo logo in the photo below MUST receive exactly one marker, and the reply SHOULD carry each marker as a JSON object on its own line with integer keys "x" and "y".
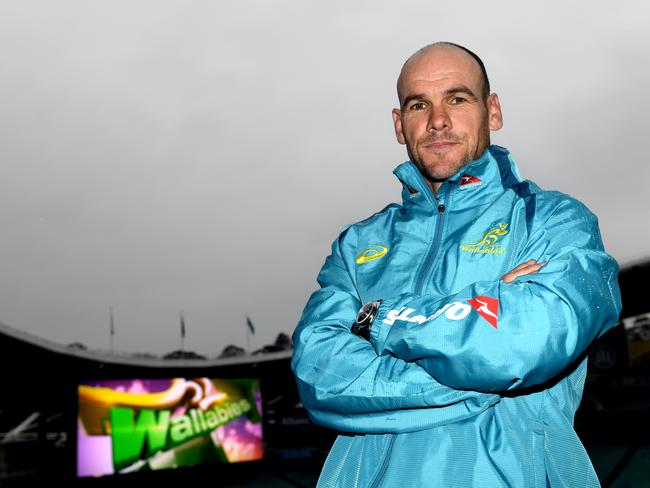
{"x": 490, "y": 238}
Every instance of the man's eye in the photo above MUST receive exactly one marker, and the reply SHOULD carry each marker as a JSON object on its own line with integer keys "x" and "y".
{"x": 418, "y": 106}
{"x": 457, "y": 100}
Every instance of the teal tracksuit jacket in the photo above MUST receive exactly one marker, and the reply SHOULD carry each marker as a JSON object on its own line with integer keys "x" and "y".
{"x": 467, "y": 381}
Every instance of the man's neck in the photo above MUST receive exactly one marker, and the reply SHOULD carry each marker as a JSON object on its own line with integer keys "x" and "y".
{"x": 434, "y": 185}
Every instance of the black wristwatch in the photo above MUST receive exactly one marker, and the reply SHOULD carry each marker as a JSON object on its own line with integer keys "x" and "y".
{"x": 365, "y": 318}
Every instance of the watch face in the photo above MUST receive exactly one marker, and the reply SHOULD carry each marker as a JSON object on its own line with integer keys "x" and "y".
{"x": 365, "y": 318}
{"x": 367, "y": 313}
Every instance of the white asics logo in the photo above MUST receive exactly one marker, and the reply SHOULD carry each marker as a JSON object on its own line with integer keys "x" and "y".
{"x": 453, "y": 311}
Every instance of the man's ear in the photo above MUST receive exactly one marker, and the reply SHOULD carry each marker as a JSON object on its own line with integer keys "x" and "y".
{"x": 495, "y": 117}
{"x": 397, "y": 123}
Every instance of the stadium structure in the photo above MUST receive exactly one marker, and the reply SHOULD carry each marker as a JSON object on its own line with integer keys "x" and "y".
{"x": 74, "y": 417}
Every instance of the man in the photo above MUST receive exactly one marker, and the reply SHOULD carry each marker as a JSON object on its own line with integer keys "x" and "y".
{"x": 479, "y": 295}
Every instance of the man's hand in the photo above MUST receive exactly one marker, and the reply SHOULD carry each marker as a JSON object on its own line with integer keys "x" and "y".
{"x": 529, "y": 267}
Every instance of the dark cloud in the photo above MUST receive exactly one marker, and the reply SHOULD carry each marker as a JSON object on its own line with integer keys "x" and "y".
{"x": 165, "y": 156}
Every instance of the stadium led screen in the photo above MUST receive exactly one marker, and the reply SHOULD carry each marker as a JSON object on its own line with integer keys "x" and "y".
{"x": 140, "y": 424}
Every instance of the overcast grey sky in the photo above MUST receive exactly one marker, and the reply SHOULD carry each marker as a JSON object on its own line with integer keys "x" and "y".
{"x": 160, "y": 156}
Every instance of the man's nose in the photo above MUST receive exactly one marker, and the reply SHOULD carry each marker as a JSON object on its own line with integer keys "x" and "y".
{"x": 438, "y": 119}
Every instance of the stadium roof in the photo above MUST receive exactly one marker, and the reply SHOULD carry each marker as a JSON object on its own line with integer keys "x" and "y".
{"x": 134, "y": 359}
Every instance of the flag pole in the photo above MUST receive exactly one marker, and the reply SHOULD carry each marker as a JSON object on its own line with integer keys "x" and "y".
{"x": 111, "y": 321}
{"x": 250, "y": 329}
{"x": 182, "y": 331}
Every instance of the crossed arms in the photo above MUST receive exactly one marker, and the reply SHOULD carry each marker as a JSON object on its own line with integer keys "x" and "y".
{"x": 412, "y": 376}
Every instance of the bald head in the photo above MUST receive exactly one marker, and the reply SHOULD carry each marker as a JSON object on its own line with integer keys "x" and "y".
{"x": 427, "y": 53}
{"x": 446, "y": 110}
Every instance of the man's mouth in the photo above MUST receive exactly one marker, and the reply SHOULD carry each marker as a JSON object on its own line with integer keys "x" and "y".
{"x": 440, "y": 146}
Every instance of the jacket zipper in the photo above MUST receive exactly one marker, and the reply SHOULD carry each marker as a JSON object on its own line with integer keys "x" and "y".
{"x": 435, "y": 244}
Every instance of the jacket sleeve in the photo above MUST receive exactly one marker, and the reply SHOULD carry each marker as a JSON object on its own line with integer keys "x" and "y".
{"x": 347, "y": 386}
{"x": 494, "y": 336}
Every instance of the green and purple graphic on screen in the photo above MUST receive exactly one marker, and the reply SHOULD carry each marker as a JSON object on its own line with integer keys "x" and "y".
{"x": 149, "y": 424}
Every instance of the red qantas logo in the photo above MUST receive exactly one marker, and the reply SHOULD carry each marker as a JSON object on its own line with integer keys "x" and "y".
{"x": 468, "y": 180}
{"x": 487, "y": 307}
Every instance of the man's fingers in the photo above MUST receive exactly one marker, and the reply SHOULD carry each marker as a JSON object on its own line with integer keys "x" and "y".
{"x": 529, "y": 267}
{"x": 523, "y": 265}
{"x": 512, "y": 275}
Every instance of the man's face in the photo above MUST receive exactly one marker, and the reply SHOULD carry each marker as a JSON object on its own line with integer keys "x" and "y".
{"x": 444, "y": 119}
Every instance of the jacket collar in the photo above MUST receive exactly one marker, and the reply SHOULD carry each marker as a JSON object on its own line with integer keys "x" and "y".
{"x": 479, "y": 181}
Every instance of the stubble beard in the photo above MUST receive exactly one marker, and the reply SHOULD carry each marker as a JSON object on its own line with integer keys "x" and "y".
{"x": 437, "y": 173}
{"x": 440, "y": 171}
